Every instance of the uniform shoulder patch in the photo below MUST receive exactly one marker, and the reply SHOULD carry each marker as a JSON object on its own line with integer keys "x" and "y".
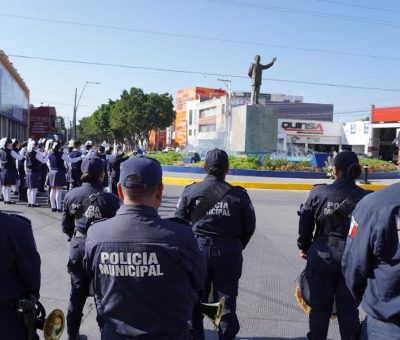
{"x": 179, "y": 220}
{"x": 21, "y": 218}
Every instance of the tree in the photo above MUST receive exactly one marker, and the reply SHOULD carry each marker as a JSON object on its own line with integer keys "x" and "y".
{"x": 131, "y": 117}
{"x": 101, "y": 122}
{"x": 86, "y": 129}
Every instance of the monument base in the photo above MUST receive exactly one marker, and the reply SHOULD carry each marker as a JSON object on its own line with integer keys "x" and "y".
{"x": 254, "y": 129}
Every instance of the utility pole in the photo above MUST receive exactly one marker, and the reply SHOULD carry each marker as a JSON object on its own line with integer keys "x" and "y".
{"x": 228, "y": 116}
{"x": 76, "y": 105}
{"x": 73, "y": 134}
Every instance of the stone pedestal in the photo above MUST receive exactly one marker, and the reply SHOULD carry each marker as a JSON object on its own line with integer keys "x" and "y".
{"x": 254, "y": 129}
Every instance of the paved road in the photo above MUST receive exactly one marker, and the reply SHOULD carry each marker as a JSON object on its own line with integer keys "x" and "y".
{"x": 266, "y": 305}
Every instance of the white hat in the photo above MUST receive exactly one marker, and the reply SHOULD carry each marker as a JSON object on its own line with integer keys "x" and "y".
{"x": 31, "y": 145}
{"x": 3, "y": 142}
{"x": 71, "y": 143}
{"x": 89, "y": 142}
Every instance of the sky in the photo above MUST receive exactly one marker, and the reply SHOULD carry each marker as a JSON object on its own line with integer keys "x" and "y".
{"x": 350, "y": 44}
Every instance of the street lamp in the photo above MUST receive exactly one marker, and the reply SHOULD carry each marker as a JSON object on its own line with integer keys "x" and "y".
{"x": 228, "y": 85}
{"x": 76, "y": 105}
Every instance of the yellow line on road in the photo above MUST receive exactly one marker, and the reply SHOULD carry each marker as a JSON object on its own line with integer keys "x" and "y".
{"x": 262, "y": 185}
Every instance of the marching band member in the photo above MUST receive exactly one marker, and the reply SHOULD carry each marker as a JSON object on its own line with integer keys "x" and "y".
{"x": 33, "y": 163}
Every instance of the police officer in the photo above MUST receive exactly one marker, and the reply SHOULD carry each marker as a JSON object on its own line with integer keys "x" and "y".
{"x": 147, "y": 270}
{"x": 222, "y": 230}
{"x": 114, "y": 164}
{"x": 76, "y": 173}
{"x": 19, "y": 272}
{"x": 83, "y": 206}
{"x": 371, "y": 262}
{"x": 329, "y": 207}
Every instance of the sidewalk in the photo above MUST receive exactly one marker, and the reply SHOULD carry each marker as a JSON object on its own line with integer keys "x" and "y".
{"x": 251, "y": 182}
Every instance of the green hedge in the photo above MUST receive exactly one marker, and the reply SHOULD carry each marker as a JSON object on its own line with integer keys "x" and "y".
{"x": 167, "y": 158}
{"x": 172, "y": 158}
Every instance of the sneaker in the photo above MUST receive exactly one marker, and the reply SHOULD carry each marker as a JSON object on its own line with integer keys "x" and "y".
{"x": 53, "y": 209}
{"x": 29, "y": 205}
{"x": 35, "y": 205}
{"x": 59, "y": 210}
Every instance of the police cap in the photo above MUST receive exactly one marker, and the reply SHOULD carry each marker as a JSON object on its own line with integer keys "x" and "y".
{"x": 147, "y": 170}
{"x": 93, "y": 166}
{"x": 217, "y": 158}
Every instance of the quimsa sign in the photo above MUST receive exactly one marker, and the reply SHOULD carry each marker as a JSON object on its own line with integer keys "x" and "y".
{"x": 303, "y": 127}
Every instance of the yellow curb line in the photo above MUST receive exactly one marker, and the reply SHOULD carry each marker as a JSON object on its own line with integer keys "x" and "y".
{"x": 262, "y": 185}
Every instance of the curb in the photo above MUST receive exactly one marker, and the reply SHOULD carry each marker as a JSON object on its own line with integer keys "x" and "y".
{"x": 274, "y": 173}
{"x": 264, "y": 185}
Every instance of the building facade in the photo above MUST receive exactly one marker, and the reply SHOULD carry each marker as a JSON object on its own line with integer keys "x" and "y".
{"x": 43, "y": 120}
{"x": 180, "y": 132}
{"x": 385, "y": 131}
{"x": 208, "y": 121}
{"x": 14, "y": 101}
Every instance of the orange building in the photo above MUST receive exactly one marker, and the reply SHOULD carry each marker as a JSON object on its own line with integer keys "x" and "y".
{"x": 158, "y": 139}
{"x": 182, "y": 97}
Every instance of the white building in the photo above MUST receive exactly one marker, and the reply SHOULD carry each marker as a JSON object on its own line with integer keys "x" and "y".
{"x": 358, "y": 135}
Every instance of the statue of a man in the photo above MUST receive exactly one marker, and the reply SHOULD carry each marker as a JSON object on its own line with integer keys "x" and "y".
{"x": 255, "y": 73}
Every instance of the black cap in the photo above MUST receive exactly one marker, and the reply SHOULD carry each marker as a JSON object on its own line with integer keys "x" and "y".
{"x": 93, "y": 166}
{"x": 147, "y": 170}
{"x": 344, "y": 160}
{"x": 217, "y": 158}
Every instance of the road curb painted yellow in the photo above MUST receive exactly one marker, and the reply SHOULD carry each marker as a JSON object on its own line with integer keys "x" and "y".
{"x": 262, "y": 185}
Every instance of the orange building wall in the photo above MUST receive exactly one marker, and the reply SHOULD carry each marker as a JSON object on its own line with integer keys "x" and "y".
{"x": 183, "y": 96}
{"x": 386, "y": 114}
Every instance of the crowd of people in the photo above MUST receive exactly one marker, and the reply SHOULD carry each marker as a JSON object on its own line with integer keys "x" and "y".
{"x": 30, "y": 167}
{"x": 150, "y": 275}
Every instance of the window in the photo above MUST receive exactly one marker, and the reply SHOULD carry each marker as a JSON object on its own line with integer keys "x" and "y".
{"x": 353, "y": 129}
{"x": 207, "y": 112}
{"x": 190, "y": 117}
{"x": 207, "y": 128}
{"x": 190, "y": 132}
{"x": 366, "y": 127}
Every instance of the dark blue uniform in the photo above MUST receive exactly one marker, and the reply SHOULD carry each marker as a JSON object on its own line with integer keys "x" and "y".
{"x": 103, "y": 156}
{"x": 76, "y": 172}
{"x": 82, "y": 206}
{"x": 114, "y": 166}
{"x": 222, "y": 234}
{"x": 371, "y": 262}
{"x": 325, "y": 250}
{"x": 19, "y": 273}
{"x": 147, "y": 273}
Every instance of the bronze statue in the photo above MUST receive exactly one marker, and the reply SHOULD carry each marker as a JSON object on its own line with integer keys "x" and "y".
{"x": 255, "y": 73}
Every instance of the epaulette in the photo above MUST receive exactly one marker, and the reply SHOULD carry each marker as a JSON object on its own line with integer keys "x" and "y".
{"x": 179, "y": 220}
{"x": 190, "y": 184}
{"x": 21, "y": 218}
{"x": 97, "y": 221}
{"x": 318, "y": 184}
{"x": 237, "y": 186}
